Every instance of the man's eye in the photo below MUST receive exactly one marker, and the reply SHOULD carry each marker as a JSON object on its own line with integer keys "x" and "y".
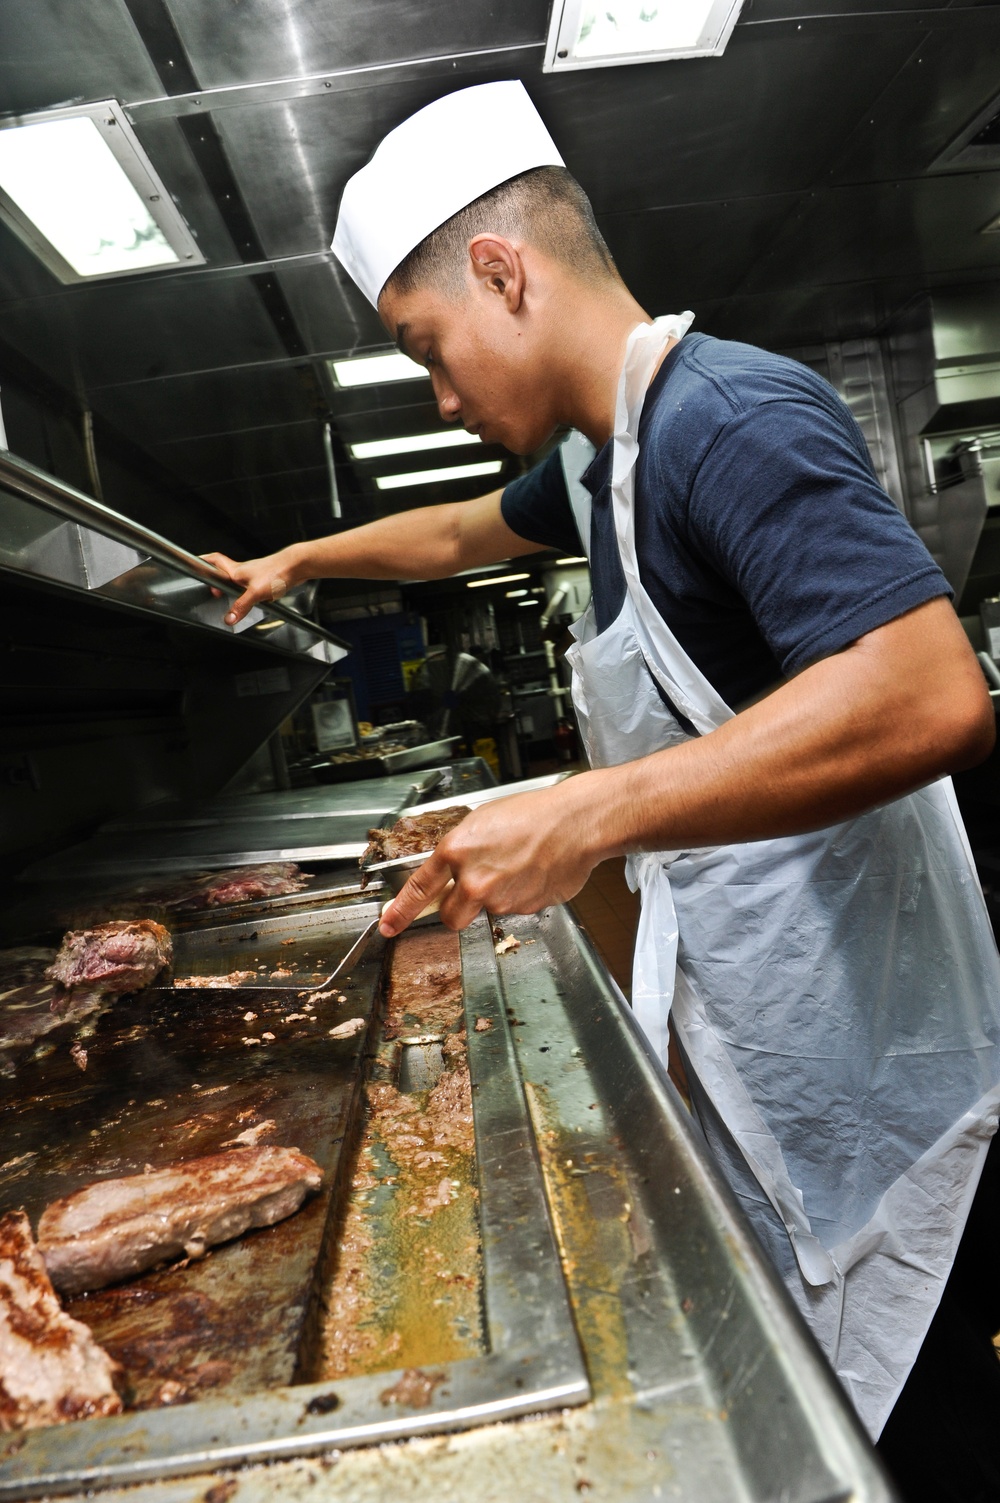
{"x": 428, "y": 359}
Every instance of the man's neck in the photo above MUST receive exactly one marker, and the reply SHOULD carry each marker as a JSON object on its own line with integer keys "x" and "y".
{"x": 595, "y": 345}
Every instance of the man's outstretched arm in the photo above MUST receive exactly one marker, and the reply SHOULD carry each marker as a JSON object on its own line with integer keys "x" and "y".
{"x": 898, "y": 708}
{"x": 432, "y": 542}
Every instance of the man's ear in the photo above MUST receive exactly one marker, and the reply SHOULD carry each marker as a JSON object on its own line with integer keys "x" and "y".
{"x": 498, "y": 268}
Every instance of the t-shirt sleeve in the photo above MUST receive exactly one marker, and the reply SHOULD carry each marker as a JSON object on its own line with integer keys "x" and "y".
{"x": 536, "y": 507}
{"x": 788, "y": 508}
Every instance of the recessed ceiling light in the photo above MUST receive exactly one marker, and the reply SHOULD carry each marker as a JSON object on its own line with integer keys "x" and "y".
{"x": 474, "y": 584}
{"x": 529, "y": 602}
{"x": 447, "y": 472}
{"x": 379, "y": 448}
{"x": 515, "y": 594}
{"x": 79, "y": 190}
{"x": 560, "y": 561}
{"x": 602, "y": 33}
{"x": 371, "y": 370}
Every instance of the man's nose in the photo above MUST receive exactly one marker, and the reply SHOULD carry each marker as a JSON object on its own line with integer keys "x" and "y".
{"x": 448, "y": 403}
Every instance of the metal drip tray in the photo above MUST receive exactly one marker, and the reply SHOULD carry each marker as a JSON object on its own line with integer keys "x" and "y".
{"x": 533, "y": 1359}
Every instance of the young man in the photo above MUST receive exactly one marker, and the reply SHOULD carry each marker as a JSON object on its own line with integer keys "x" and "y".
{"x": 771, "y": 665}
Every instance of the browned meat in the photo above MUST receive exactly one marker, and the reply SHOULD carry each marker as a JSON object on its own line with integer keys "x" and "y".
{"x": 51, "y": 1368}
{"x": 117, "y": 1228}
{"x": 122, "y": 956}
{"x": 413, "y": 834}
{"x": 31, "y": 1006}
{"x": 241, "y": 884}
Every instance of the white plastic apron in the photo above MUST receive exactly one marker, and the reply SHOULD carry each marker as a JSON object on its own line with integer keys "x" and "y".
{"x": 837, "y": 995}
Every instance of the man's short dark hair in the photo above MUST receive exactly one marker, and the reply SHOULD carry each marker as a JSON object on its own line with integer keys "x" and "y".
{"x": 546, "y": 207}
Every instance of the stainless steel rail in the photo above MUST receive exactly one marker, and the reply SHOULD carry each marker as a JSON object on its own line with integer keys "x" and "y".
{"x": 28, "y": 483}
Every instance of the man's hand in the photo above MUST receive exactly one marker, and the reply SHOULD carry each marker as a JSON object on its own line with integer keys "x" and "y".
{"x": 515, "y": 855}
{"x": 262, "y": 578}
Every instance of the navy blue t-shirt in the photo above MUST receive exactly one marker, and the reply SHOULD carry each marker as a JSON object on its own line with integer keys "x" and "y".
{"x": 764, "y": 539}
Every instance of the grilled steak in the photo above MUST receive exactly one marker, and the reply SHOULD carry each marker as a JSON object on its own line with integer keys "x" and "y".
{"x": 51, "y": 1368}
{"x": 412, "y": 834}
{"x": 122, "y": 956}
{"x": 241, "y": 884}
{"x": 117, "y": 1228}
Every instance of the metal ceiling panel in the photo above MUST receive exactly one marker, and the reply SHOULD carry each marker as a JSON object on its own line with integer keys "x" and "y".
{"x": 747, "y": 124}
{"x": 293, "y": 158}
{"x": 261, "y": 450}
{"x": 672, "y": 258}
{"x": 209, "y": 403}
{"x": 762, "y": 11}
{"x": 150, "y": 329}
{"x": 170, "y": 153}
{"x": 259, "y": 39}
{"x": 330, "y": 312}
{"x": 870, "y": 231}
{"x": 924, "y": 107}
{"x": 54, "y": 51}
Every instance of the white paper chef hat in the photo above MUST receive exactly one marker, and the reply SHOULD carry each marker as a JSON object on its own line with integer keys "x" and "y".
{"x": 428, "y": 168}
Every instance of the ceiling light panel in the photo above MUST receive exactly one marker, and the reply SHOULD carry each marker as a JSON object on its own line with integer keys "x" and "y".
{"x": 372, "y": 370}
{"x": 476, "y": 584}
{"x": 382, "y": 448}
{"x": 605, "y": 33}
{"x": 431, "y": 477}
{"x": 561, "y": 561}
{"x": 79, "y": 190}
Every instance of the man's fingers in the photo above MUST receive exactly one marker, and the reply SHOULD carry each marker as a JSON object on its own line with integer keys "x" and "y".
{"x": 253, "y": 594}
{"x": 239, "y": 607}
{"x": 458, "y": 909}
{"x": 427, "y": 883}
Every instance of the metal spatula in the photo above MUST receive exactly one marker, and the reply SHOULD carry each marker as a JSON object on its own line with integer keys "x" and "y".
{"x": 354, "y": 953}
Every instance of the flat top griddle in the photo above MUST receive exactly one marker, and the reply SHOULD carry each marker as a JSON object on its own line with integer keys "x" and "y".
{"x": 169, "y": 1075}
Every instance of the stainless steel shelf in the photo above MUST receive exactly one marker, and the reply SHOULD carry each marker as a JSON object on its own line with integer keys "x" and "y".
{"x": 53, "y": 532}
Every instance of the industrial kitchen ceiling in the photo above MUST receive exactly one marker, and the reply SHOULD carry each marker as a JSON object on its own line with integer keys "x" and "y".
{"x": 793, "y": 190}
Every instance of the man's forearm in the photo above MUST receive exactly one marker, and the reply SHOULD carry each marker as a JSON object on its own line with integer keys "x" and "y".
{"x": 898, "y": 708}
{"x": 420, "y": 544}
{"x": 844, "y": 736}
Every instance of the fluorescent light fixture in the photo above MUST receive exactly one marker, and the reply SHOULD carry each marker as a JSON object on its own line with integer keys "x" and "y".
{"x": 79, "y": 190}
{"x": 529, "y": 602}
{"x": 447, "y": 472}
{"x": 604, "y": 33}
{"x": 560, "y": 561}
{"x": 515, "y": 594}
{"x": 371, "y": 370}
{"x": 475, "y": 584}
{"x": 380, "y": 448}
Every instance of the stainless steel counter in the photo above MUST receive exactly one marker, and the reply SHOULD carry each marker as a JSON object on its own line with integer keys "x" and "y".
{"x": 697, "y": 1379}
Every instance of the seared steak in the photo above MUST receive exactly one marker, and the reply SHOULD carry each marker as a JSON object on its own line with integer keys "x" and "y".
{"x": 412, "y": 834}
{"x": 117, "y": 1228}
{"x": 241, "y": 884}
{"x": 122, "y": 956}
{"x": 51, "y": 1368}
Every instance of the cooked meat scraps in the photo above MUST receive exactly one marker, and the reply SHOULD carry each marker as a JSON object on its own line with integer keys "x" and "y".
{"x": 413, "y": 834}
{"x": 51, "y": 1368}
{"x": 117, "y": 1228}
{"x": 216, "y": 983}
{"x": 122, "y": 956}
{"x": 241, "y": 884}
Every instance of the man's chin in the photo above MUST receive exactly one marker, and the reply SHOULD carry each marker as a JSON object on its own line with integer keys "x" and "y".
{"x": 523, "y": 443}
